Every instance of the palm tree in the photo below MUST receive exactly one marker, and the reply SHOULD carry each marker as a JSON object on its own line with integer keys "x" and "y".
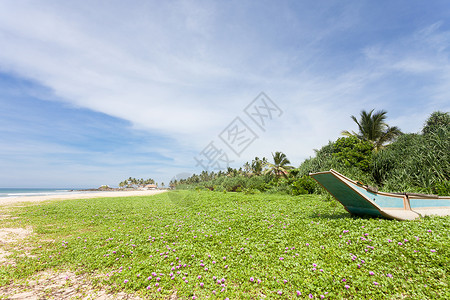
{"x": 280, "y": 164}
{"x": 247, "y": 169}
{"x": 373, "y": 128}
{"x": 258, "y": 165}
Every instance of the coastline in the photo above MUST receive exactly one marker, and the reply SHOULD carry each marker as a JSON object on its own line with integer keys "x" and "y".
{"x": 105, "y": 194}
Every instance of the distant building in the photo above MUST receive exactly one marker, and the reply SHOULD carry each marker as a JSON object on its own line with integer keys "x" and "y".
{"x": 151, "y": 187}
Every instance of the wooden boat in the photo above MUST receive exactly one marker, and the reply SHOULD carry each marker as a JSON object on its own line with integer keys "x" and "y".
{"x": 359, "y": 199}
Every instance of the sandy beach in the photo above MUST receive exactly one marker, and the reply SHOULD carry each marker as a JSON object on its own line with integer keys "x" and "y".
{"x": 15, "y": 200}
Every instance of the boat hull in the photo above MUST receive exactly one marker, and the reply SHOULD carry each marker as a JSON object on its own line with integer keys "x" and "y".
{"x": 360, "y": 200}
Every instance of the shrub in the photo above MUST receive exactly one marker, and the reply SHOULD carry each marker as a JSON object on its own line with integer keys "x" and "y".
{"x": 303, "y": 185}
{"x": 353, "y": 152}
{"x": 437, "y": 120}
{"x": 233, "y": 184}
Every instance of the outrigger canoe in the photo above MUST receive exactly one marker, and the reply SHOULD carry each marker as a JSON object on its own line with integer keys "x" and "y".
{"x": 359, "y": 199}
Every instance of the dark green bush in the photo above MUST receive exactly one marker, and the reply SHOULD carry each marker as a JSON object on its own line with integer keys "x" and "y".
{"x": 353, "y": 152}
{"x": 303, "y": 185}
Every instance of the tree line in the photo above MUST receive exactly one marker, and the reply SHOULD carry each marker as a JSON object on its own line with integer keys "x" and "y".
{"x": 136, "y": 183}
{"x": 377, "y": 154}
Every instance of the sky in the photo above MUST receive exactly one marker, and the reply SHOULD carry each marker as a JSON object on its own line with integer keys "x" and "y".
{"x": 94, "y": 92}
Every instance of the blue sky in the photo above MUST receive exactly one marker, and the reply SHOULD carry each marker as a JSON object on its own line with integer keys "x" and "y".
{"x": 94, "y": 92}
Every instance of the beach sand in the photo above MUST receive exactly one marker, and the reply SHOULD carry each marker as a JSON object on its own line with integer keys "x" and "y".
{"x": 15, "y": 200}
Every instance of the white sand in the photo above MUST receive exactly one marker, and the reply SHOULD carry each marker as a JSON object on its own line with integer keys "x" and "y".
{"x": 15, "y": 200}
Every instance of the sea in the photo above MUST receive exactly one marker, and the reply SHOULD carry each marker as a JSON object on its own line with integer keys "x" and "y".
{"x": 26, "y": 192}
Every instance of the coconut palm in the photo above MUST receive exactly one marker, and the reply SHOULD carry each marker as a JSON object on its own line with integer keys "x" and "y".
{"x": 247, "y": 169}
{"x": 258, "y": 165}
{"x": 280, "y": 164}
{"x": 373, "y": 128}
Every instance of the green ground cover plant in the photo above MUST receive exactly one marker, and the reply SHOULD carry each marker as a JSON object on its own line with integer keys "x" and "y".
{"x": 221, "y": 245}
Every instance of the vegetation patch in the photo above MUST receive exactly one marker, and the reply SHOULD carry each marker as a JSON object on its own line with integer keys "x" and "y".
{"x": 203, "y": 244}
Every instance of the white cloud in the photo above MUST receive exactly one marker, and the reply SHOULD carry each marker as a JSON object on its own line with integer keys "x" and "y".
{"x": 185, "y": 69}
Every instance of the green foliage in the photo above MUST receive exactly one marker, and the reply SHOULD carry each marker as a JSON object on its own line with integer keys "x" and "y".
{"x": 353, "y": 152}
{"x": 373, "y": 128}
{"x": 348, "y": 155}
{"x": 415, "y": 163}
{"x": 253, "y": 242}
{"x": 442, "y": 188}
{"x": 438, "y": 120}
{"x": 250, "y": 191}
{"x": 280, "y": 165}
{"x": 386, "y": 165}
{"x": 234, "y": 184}
{"x": 260, "y": 183}
{"x": 134, "y": 182}
{"x": 303, "y": 185}
{"x": 411, "y": 163}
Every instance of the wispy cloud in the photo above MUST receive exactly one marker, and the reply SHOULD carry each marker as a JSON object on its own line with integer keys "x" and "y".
{"x": 180, "y": 71}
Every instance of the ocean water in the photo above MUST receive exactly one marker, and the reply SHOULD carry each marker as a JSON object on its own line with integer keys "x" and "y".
{"x": 25, "y": 192}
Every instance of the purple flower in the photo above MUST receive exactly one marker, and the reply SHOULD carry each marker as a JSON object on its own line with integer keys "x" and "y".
{"x": 376, "y": 283}
{"x": 125, "y": 281}
{"x": 201, "y": 284}
{"x": 432, "y": 250}
{"x": 347, "y": 286}
{"x": 389, "y": 275}
{"x": 371, "y": 273}
{"x": 344, "y": 280}
{"x": 281, "y": 258}
{"x": 310, "y": 296}
{"x": 252, "y": 279}
{"x": 299, "y": 293}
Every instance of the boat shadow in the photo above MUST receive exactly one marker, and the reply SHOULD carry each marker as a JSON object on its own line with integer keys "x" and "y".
{"x": 341, "y": 215}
